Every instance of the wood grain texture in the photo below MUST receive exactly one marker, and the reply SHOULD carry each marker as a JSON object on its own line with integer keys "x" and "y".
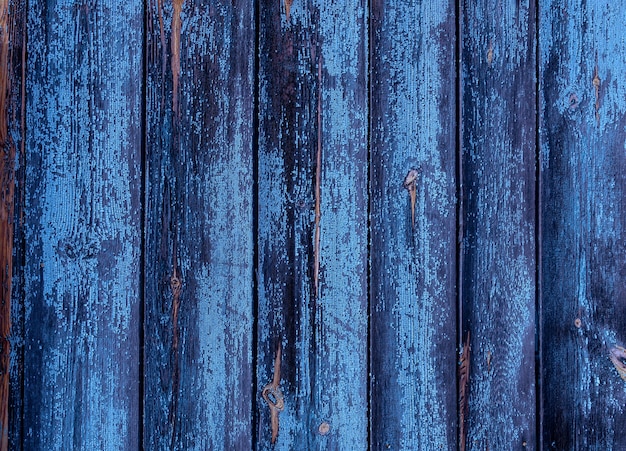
{"x": 83, "y": 157}
{"x": 9, "y": 84}
{"x": 15, "y": 115}
{"x": 313, "y": 221}
{"x": 498, "y": 174}
{"x": 583, "y": 118}
{"x": 199, "y": 225}
{"x": 413, "y": 244}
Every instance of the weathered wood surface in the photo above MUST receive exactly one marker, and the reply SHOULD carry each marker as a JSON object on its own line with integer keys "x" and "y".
{"x": 199, "y": 225}
{"x": 583, "y": 118}
{"x": 12, "y": 17}
{"x": 14, "y": 108}
{"x": 498, "y": 205}
{"x": 413, "y": 244}
{"x": 313, "y": 248}
{"x": 82, "y": 225}
{"x": 310, "y": 115}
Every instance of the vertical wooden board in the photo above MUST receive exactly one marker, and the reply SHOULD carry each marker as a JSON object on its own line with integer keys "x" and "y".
{"x": 288, "y": 87}
{"x": 15, "y": 117}
{"x": 583, "y": 123}
{"x": 499, "y": 250}
{"x": 83, "y": 157}
{"x": 413, "y": 243}
{"x": 199, "y": 225}
{"x": 313, "y": 222}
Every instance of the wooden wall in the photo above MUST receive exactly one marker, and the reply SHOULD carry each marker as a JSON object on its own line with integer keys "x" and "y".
{"x": 297, "y": 224}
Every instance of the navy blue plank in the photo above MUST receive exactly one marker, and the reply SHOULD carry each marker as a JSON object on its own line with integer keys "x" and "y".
{"x": 583, "y": 123}
{"x": 413, "y": 227}
{"x": 83, "y": 157}
{"x": 313, "y": 222}
{"x": 13, "y": 36}
{"x": 499, "y": 242}
{"x": 199, "y": 225}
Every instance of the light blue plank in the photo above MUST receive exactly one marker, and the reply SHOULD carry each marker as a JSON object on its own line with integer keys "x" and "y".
{"x": 83, "y": 157}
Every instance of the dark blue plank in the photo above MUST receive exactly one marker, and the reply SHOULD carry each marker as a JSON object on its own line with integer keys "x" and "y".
{"x": 313, "y": 222}
{"x": 199, "y": 225}
{"x": 83, "y": 157}
{"x": 499, "y": 247}
{"x": 15, "y": 65}
{"x": 583, "y": 123}
{"x": 414, "y": 241}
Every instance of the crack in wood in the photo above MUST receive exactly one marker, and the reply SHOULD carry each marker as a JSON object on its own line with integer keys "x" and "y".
{"x": 175, "y": 49}
{"x": 464, "y": 373}
{"x": 596, "y": 87}
{"x": 318, "y": 182}
{"x": 410, "y": 183}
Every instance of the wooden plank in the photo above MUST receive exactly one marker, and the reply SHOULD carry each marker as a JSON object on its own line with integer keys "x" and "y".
{"x": 199, "y": 225}
{"x": 15, "y": 110}
{"x": 83, "y": 156}
{"x": 313, "y": 222}
{"x": 413, "y": 227}
{"x": 583, "y": 123}
{"x": 11, "y": 25}
{"x": 499, "y": 251}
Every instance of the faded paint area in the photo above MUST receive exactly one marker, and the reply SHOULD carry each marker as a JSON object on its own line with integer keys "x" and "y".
{"x": 199, "y": 220}
{"x": 498, "y": 172}
{"x": 583, "y": 118}
{"x": 83, "y": 226}
{"x": 413, "y": 305}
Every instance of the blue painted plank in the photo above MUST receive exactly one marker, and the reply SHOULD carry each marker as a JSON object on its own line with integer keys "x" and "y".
{"x": 413, "y": 241}
{"x": 15, "y": 117}
{"x": 199, "y": 225}
{"x": 83, "y": 157}
{"x": 583, "y": 118}
{"x": 313, "y": 222}
{"x": 499, "y": 221}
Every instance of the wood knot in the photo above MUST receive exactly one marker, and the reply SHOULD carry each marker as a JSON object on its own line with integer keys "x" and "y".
{"x": 618, "y": 358}
{"x": 175, "y": 285}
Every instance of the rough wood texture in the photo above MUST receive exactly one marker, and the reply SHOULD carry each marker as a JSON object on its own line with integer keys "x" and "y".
{"x": 583, "y": 118}
{"x": 313, "y": 221}
{"x": 83, "y": 152}
{"x": 413, "y": 241}
{"x": 15, "y": 116}
{"x": 199, "y": 225}
{"x": 7, "y": 194}
{"x": 498, "y": 294}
